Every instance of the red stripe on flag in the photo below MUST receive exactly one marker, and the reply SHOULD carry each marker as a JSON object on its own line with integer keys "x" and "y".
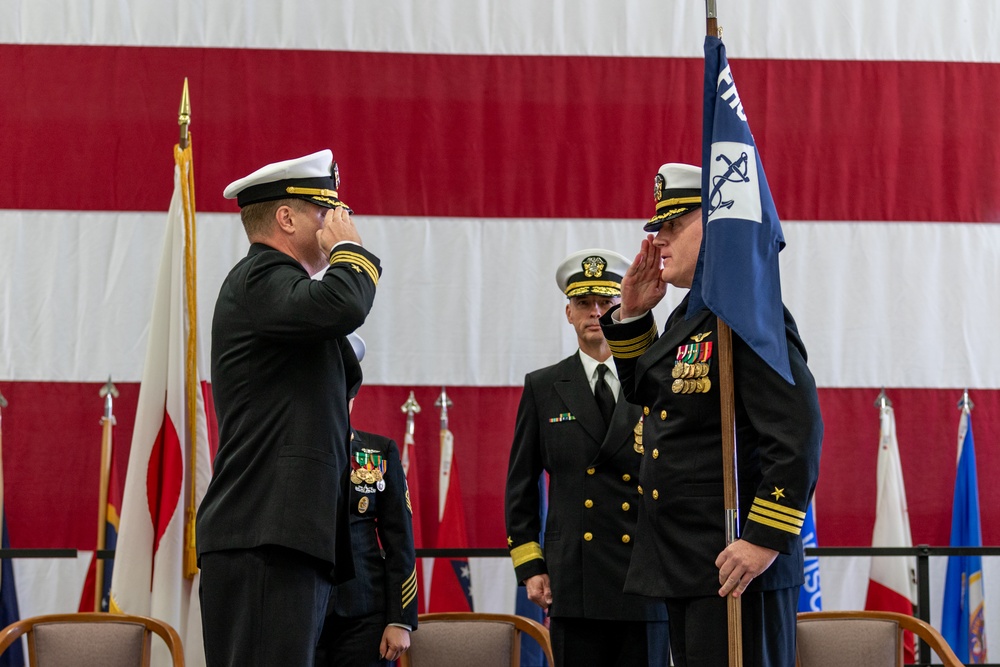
{"x": 495, "y": 136}
{"x": 164, "y": 478}
{"x": 882, "y": 598}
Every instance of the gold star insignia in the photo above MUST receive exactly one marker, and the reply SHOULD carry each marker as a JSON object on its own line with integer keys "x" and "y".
{"x": 356, "y": 268}
{"x": 510, "y": 541}
{"x": 778, "y": 493}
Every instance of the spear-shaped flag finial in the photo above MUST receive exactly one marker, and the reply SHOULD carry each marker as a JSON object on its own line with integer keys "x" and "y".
{"x": 184, "y": 115}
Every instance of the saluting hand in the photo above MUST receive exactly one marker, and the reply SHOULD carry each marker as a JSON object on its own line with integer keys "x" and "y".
{"x": 739, "y": 563}
{"x": 642, "y": 284}
{"x": 337, "y": 226}
{"x": 539, "y": 590}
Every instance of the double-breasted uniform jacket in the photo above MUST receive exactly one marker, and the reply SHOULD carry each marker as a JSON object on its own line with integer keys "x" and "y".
{"x": 385, "y": 576}
{"x": 779, "y": 430}
{"x": 590, "y": 527}
{"x": 281, "y": 370}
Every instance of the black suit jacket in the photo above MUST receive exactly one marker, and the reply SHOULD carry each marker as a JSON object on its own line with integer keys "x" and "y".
{"x": 593, "y": 499}
{"x": 779, "y": 432}
{"x": 281, "y": 369}
{"x": 382, "y": 538}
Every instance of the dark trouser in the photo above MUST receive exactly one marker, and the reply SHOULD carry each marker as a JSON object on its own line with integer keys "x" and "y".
{"x": 263, "y": 606}
{"x": 585, "y": 642}
{"x": 699, "y": 629}
{"x": 351, "y": 642}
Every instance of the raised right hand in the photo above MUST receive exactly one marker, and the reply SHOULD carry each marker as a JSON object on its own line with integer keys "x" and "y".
{"x": 337, "y": 227}
{"x": 642, "y": 284}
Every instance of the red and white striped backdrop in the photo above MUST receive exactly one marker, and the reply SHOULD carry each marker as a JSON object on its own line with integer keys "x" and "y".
{"x": 479, "y": 142}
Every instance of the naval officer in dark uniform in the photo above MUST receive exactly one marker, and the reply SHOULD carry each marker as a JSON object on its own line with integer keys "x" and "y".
{"x": 573, "y": 424}
{"x": 680, "y": 551}
{"x": 273, "y": 533}
{"x": 370, "y": 618}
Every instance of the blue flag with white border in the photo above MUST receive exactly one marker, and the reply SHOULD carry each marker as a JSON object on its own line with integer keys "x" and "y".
{"x": 963, "y": 615}
{"x": 737, "y": 276}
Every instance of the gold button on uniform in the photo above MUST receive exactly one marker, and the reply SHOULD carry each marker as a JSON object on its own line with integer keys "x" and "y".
{"x": 656, "y": 453}
{"x": 663, "y": 415}
{"x": 640, "y": 490}
{"x": 626, "y": 477}
{"x": 591, "y": 471}
{"x": 656, "y": 494}
{"x": 625, "y": 506}
{"x": 645, "y": 410}
{"x": 588, "y": 503}
{"x": 626, "y": 539}
{"x": 588, "y": 536}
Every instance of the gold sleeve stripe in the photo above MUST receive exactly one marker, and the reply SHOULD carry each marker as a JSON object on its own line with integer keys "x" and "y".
{"x": 526, "y": 552}
{"x": 777, "y": 516}
{"x": 410, "y": 588}
{"x": 627, "y": 349}
{"x": 790, "y": 511}
{"x": 348, "y": 257}
{"x": 773, "y": 524}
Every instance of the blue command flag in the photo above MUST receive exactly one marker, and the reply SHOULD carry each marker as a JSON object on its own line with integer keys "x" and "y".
{"x": 737, "y": 277}
{"x": 531, "y": 653}
{"x": 810, "y": 595}
{"x": 14, "y": 655}
{"x": 962, "y": 618}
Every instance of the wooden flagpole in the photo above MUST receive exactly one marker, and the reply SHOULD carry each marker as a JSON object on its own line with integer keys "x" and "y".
{"x": 107, "y": 392}
{"x": 734, "y": 609}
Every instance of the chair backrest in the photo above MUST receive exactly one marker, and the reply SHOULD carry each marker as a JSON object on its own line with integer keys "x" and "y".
{"x": 91, "y": 640}
{"x": 863, "y": 638}
{"x": 457, "y": 639}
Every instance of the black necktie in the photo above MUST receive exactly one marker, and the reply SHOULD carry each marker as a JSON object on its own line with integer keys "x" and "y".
{"x": 605, "y": 397}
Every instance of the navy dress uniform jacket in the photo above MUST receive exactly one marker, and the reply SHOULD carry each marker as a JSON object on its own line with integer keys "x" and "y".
{"x": 779, "y": 432}
{"x": 382, "y": 538}
{"x": 590, "y": 528}
{"x": 281, "y": 370}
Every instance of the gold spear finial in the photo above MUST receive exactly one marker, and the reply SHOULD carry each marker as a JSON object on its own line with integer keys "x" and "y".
{"x": 410, "y": 408}
{"x": 184, "y": 115}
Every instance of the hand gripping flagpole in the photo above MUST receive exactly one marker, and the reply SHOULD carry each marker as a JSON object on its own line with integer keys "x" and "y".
{"x": 730, "y": 481}
{"x": 108, "y": 392}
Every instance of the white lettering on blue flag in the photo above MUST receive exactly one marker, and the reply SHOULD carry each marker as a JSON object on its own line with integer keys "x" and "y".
{"x": 730, "y": 94}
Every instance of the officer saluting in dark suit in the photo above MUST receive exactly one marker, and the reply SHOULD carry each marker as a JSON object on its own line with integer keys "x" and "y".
{"x": 572, "y": 424}
{"x": 680, "y": 551}
{"x": 272, "y": 529}
{"x": 370, "y": 617}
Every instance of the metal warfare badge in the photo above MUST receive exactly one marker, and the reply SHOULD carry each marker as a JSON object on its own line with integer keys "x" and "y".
{"x": 658, "y": 186}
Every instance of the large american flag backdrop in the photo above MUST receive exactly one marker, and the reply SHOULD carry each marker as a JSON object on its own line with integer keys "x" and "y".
{"x": 481, "y": 141}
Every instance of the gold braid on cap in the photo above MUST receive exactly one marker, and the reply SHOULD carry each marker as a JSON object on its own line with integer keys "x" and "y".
{"x": 678, "y": 201}
{"x": 316, "y": 192}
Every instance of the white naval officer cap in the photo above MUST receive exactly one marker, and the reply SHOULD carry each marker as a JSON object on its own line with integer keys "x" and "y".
{"x": 314, "y": 178}
{"x": 592, "y": 271}
{"x": 357, "y": 344}
{"x": 676, "y": 191}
